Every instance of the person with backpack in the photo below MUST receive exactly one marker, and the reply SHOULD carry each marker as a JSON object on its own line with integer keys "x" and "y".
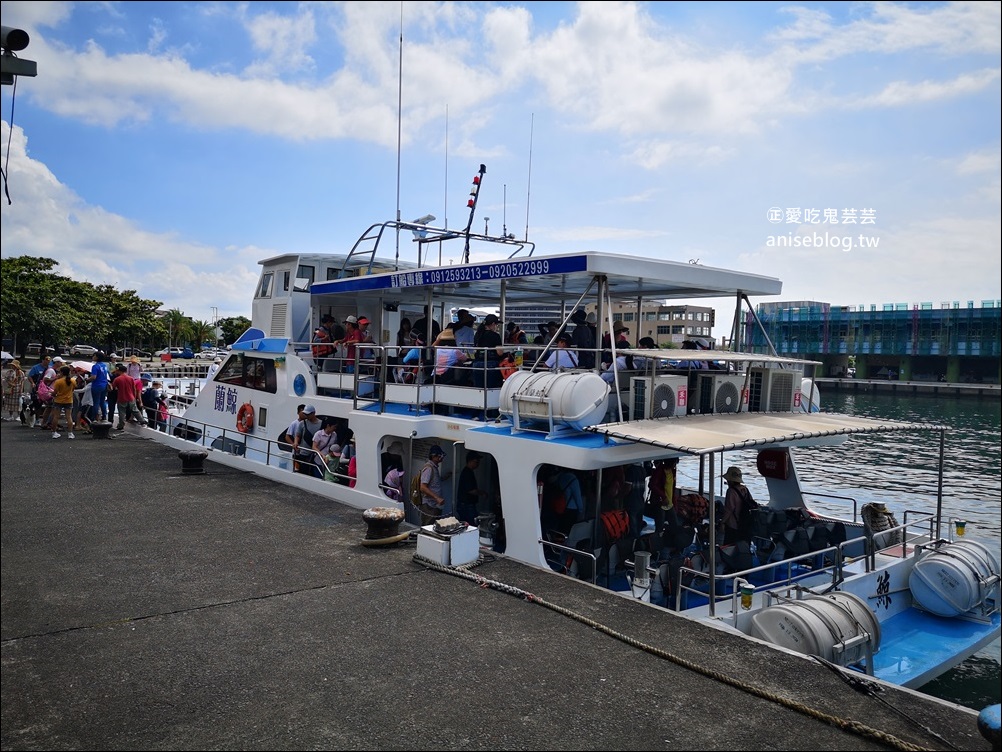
{"x": 738, "y": 508}
{"x": 432, "y": 504}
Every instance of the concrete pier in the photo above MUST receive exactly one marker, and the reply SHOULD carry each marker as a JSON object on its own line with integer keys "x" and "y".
{"x": 146, "y": 608}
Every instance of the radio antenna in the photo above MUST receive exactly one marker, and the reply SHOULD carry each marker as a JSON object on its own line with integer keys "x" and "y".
{"x": 528, "y": 181}
{"x": 445, "y": 198}
{"x": 400, "y": 105}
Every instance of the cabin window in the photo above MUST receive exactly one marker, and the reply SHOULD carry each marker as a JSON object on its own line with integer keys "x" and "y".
{"x": 264, "y": 289}
{"x": 250, "y": 372}
{"x": 306, "y": 272}
{"x": 285, "y": 281}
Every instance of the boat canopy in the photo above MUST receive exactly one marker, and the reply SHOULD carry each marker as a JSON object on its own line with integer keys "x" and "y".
{"x": 706, "y": 434}
{"x": 548, "y": 278}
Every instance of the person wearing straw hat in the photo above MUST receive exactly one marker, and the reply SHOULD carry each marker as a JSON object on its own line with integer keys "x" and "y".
{"x": 449, "y": 358}
{"x": 737, "y": 498}
{"x": 12, "y": 377}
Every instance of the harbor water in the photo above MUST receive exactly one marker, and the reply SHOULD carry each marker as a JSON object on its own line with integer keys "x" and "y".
{"x": 901, "y": 469}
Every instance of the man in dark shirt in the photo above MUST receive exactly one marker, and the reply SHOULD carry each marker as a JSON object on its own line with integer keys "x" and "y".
{"x": 583, "y": 339}
{"x": 468, "y": 494}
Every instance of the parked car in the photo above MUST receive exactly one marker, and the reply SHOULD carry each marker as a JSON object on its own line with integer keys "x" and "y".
{"x": 35, "y": 349}
{"x": 175, "y": 352}
{"x": 128, "y": 352}
{"x": 87, "y": 350}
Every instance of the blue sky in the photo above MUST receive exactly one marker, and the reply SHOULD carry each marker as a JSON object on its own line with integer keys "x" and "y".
{"x": 168, "y": 147}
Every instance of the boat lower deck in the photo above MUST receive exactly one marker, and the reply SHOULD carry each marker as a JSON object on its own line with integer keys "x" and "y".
{"x": 915, "y": 643}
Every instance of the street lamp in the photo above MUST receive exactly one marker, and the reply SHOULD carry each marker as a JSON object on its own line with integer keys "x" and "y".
{"x": 486, "y": 220}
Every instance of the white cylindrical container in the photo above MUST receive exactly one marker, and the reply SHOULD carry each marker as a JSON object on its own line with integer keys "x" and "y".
{"x": 573, "y": 399}
{"x": 818, "y": 625}
{"x": 955, "y": 579}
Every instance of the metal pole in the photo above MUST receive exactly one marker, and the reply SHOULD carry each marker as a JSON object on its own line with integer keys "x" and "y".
{"x": 713, "y": 543}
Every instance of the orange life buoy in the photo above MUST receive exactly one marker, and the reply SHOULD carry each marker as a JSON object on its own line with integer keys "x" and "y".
{"x": 245, "y": 418}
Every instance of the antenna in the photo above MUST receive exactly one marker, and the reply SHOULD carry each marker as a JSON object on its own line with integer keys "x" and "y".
{"x": 504, "y": 211}
{"x": 445, "y": 214}
{"x": 400, "y": 105}
{"x": 528, "y": 181}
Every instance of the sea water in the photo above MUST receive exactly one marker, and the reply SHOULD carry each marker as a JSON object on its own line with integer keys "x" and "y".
{"x": 901, "y": 469}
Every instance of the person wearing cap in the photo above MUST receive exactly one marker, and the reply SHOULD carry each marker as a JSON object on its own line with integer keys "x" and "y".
{"x": 736, "y": 498}
{"x": 432, "y": 500}
{"x": 563, "y": 357}
{"x": 465, "y": 334}
{"x": 468, "y": 492}
{"x": 322, "y": 347}
{"x": 213, "y": 369}
{"x": 365, "y": 334}
{"x": 489, "y": 351}
{"x": 302, "y": 443}
{"x": 352, "y": 336}
{"x": 149, "y": 397}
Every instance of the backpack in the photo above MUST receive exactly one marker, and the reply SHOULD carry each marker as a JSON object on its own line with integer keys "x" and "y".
{"x": 416, "y": 489}
{"x": 746, "y": 520}
{"x": 150, "y": 397}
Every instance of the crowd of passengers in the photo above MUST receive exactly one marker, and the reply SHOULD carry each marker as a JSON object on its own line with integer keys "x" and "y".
{"x": 639, "y": 506}
{"x": 466, "y": 352}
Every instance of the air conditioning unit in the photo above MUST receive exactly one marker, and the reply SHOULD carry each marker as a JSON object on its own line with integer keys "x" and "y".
{"x": 658, "y": 397}
{"x": 721, "y": 393}
{"x": 773, "y": 390}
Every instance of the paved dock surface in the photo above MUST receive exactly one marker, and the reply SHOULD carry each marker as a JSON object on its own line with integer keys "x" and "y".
{"x": 148, "y": 609}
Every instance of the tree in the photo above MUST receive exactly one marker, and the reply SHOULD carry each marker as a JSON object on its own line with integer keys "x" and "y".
{"x": 177, "y": 326}
{"x": 233, "y": 327}
{"x": 201, "y": 332}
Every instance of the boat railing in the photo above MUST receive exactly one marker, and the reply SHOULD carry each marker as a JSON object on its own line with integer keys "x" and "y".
{"x": 811, "y": 565}
{"x": 377, "y": 376}
{"x": 573, "y": 554}
{"x": 363, "y": 253}
{"x": 837, "y": 497}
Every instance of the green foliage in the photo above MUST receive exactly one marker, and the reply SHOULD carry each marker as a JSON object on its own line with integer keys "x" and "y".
{"x": 233, "y": 327}
{"x": 38, "y": 305}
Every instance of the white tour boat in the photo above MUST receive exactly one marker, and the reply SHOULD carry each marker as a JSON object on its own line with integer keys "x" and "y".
{"x": 901, "y": 602}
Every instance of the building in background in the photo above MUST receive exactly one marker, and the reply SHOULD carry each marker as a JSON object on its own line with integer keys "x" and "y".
{"x": 667, "y": 325}
{"x": 953, "y": 342}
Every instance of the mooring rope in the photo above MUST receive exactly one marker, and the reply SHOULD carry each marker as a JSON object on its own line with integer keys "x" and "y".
{"x": 861, "y": 729}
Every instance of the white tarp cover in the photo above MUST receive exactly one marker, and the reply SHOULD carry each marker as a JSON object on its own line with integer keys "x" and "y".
{"x": 703, "y": 434}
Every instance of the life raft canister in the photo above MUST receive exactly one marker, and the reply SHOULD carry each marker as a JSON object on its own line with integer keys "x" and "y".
{"x": 245, "y": 418}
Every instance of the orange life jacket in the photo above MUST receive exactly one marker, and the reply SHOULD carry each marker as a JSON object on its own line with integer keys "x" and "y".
{"x": 324, "y": 349}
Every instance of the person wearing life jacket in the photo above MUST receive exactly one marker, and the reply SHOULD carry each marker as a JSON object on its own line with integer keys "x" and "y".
{"x": 323, "y": 347}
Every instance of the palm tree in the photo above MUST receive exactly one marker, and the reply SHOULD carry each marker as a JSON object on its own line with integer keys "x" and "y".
{"x": 177, "y": 325}
{"x": 200, "y": 333}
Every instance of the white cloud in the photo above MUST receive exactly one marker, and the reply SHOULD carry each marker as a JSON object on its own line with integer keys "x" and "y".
{"x": 46, "y": 218}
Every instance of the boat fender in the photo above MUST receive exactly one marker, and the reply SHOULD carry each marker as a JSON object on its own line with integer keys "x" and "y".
{"x": 245, "y": 418}
{"x": 989, "y": 721}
